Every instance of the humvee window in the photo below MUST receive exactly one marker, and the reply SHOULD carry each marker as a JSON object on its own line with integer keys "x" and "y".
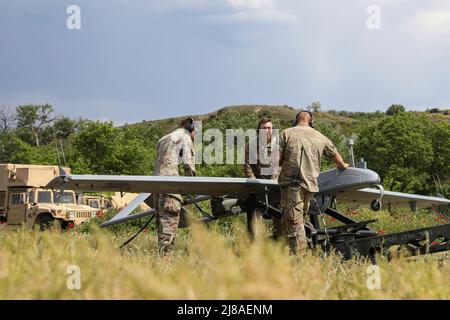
{"x": 17, "y": 198}
{"x": 31, "y": 196}
{"x": 65, "y": 197}
{"x": 2, "y": 199}
{"x": 108, "y": 204}
{"x": 44, "y": 197}
{"x": 94, "y": 204}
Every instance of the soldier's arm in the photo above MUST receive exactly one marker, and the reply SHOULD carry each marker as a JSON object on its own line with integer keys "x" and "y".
{"x": 275, "y": 159}
{"x": 188, "y": 158}
{"x": 248, "y": 171}
{"x": 282, "y": 147}
{"x": 331, "y": 152}
{"x": 340, "y": 164}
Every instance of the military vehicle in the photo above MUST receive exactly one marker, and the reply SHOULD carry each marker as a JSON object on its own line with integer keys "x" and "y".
{"x": 105, "y": 202}
{"x": 100, "y": 202}
{"x": 24, "y": 200}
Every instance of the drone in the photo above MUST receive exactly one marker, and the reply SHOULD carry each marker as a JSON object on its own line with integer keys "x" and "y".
{"x": 235, "y": 196}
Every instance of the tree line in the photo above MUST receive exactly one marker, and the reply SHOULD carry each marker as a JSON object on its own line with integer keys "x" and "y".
{"x": 408, "y": 149}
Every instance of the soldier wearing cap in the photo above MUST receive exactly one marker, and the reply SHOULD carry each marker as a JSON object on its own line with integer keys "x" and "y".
{"x": 301, "y": 149}
{"x": 257, "y": 168}
{"x": 173, "y": 150}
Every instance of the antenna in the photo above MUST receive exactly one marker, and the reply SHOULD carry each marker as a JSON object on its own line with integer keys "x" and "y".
{"x": 63, "y": 156}
{"x": 350, "y": 144}
{"x": 57, "y": 154}
{"x": 62, "y": 151}
{"x": 438, "y": 184}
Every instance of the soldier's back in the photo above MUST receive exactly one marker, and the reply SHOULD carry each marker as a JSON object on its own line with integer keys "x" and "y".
{"x": 302, "y": 148}
{"x": 168, "y": 152}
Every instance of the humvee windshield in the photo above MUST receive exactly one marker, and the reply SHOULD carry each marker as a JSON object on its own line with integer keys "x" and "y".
{"x": 44, "y": 197}
{"x": 47, "y": 196}
{"x": 65, "y": 197}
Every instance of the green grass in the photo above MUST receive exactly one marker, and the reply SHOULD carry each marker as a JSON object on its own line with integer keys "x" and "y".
{"x": 214, "y": 262}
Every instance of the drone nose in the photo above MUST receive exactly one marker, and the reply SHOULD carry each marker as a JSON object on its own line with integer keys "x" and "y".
{"x": 370, "y": 176}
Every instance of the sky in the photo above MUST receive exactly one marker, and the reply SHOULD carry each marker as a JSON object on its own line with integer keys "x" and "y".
{"x": 135, "y": 60}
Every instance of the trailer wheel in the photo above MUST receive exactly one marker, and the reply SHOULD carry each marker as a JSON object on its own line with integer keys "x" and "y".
{"x": 44, "y": 222}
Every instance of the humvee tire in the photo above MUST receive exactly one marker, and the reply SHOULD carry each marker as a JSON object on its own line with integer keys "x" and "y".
{"x": 44, "y": 222}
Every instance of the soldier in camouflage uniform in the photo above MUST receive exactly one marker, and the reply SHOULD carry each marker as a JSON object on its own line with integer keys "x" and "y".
{"x": 301, "y": 149}
{"x": 173, "y": 150}
{"x": 257, "y": 169}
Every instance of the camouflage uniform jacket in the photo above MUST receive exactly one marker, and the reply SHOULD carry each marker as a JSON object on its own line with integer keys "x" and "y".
{"x": 172, "y": 150}
{"x": 254, "y": 168}
{"x": 301, "y": 149}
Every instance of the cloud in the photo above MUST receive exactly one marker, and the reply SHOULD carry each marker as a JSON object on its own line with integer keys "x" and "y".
{"x": 432, "y": 23}
{"x": 255, "y": 17}
{"x": 233, "y": 23}
{"x": 231, "y": 11}
{"x": 147, "y": 59}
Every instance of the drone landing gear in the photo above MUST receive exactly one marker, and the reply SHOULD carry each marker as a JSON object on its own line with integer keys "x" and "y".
{"x": 375, "y": 205}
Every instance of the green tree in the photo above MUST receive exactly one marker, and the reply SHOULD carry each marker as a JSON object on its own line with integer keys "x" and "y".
{"x": 8, "y": 146}
{"x": 334, "y": 134}
{"x": 314, "y": 107}
{"x": 28, "y": 154}
{"x": 394, "y": 109}
{"x": 439, "y": 134}
{"x": 63, "y": 127}
{"x": 100, "y": 148}
{"x": 34, "y": 118}
{"x": 7, "y": 117}
{"x": 400, "y": 148}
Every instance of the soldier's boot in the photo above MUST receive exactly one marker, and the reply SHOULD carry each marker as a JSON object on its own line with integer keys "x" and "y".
{"x": 163, "y": 250}
{"x": 297, "y": 243}
{"x": 292, "y": 242}
{"x": 165, "y": 247}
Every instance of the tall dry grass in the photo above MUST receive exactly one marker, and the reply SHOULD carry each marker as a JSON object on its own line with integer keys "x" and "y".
{"x": 204, "y": 265}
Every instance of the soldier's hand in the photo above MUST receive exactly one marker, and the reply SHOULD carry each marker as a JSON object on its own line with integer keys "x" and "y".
{"x": 343, "y": 166}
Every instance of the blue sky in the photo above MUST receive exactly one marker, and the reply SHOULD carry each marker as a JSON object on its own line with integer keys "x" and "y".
{"x": 135, "y": 60}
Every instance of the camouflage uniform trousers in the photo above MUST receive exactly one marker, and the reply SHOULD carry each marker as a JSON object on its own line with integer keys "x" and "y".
{"x": 167, "y": 215}
{"x": 295, "y": 204}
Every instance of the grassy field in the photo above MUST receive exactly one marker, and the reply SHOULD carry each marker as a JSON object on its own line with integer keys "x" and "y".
{"x": 214, "y": 262}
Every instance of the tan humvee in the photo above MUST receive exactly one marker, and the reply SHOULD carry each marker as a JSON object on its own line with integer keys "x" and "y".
{"x": 98, "y": 202}
{"x": 24, "y": 201}
{"x": 103, "y": 202}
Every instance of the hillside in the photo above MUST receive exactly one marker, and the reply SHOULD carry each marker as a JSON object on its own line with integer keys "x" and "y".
{"x": 345, "y": 122}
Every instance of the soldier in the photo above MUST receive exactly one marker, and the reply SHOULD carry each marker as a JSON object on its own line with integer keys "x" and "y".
{"x": 172, "y": 150}
{"x": 301, "y": 149}
{"x": 257, "y": 169}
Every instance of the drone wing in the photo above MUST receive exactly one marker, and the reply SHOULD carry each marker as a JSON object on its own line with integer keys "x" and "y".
{"x": 392, "y": 199}
{"x": 212, "y": 186}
